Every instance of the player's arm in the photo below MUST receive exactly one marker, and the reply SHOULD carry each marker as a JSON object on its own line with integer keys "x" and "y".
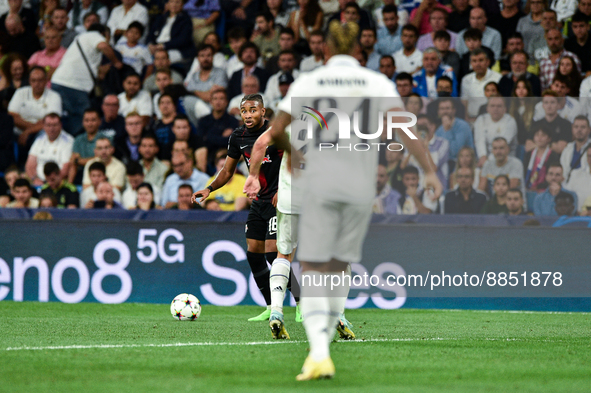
{"x": 223, "y": 177}
{"x": 252, "y": 185}
{"x": 278, "y": 134}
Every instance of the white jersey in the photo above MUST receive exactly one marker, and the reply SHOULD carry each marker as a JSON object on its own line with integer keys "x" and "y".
{"x": 343, "y": 174}
{"x": 289, "y": 195}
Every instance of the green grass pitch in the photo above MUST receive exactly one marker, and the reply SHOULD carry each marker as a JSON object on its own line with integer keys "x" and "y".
{"x": 130, "y": 348}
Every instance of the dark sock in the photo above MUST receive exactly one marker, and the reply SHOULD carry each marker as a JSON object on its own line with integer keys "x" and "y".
{"x": 271, "y": 256}
{"x": 294, "y": 286}
{"x": 260, "y": 271}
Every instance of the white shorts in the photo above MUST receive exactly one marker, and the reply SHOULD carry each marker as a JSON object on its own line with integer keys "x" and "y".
{"x": 330, "y": 230}
{"x": 287, "y": 232}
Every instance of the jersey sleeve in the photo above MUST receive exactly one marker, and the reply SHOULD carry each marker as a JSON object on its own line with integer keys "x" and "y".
{"x": 233, "y": 148}
{"x": 388, "y": 90}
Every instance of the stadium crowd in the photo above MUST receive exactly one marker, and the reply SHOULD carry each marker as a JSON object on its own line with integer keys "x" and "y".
{"x": 130, "y": 105}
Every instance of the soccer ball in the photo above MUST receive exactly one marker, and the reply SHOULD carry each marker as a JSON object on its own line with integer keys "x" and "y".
{"x": 185, "y": 307}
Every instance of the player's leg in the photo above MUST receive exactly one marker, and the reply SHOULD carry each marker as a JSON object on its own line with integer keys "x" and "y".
{"x": 344, "y": 327}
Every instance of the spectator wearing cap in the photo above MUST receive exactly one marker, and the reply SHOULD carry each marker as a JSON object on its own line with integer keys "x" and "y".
{"x": 248, "y": 54}
{"x": 286, "y": 65}
{"x": 66, "y": 193}
{"x": 491, "y": 38}
{"x": 122, "y": 16}
{"x": 53, "y": 145}
{"x": 285, "y": 80}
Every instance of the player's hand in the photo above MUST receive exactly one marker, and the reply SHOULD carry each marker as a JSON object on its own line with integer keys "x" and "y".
{"x": 203, "y": 194}
{"x": 274, "y": 200}
{"x": 252, "y": 187}
{"x": 295, "y": 160}
{"x": 432, "y": 181}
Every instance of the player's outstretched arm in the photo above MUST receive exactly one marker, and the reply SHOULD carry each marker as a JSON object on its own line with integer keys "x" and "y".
{"x": 220, "y": 180}
{"x": 252, "y": 185}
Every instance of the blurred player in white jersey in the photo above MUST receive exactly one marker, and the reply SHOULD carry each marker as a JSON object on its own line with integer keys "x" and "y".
{"x": 339, "y": 184}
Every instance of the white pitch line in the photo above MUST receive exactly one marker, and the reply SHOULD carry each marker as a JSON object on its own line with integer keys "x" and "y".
{"x": 255, "y": 343}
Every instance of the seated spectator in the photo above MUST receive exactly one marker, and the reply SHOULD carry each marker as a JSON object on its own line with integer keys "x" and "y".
{"x": 565, "y": 204}
{"x": 496, "y": 123}
{"x": 514, "y": 44}
{"x": 473, "y": 41}
{"x": 537, "y": 49}
{"x": 579, "y": 43}
{"x": 445, "y": 89}
{"x": 286, "y": 43}
{"x": 522, "y": 110}
{"x": 135, "y": 55}
{"x": 14, "y": 76}
{"x": 112, "y": 123}
{"x": 285, "y": 81}
{"x": 50, "y": 57}
{"x": 53, "y": 145}
{"x": 59, "y": 21}
{"x": 66, "y": 193}
{"x": 464, "y": 199}
{"x": 203, "y": 16}
{"x": 29, "y": 105}
{"x": 163, "y": 80}
{"x": 84, "y": 144}
{"x": 266, "y": 35}
{"x": 11, "y": 174}
{"x": 115, "y": 170}
{"x": 154, "y": 170}
{"x": 393, "y": 160}
{"x": 414, "y": 104}
{"x": 529, "y": 26}
{"x": 409, "y": 58}
{"x": 97, "y": 175}
{"x": 26, "y": 14}
{"x": 133, "y": 99}
{"x": 387, "y": 199}
{"x": 441, "y": 42}
{"x": 162, "y": 128}
{"x": 236, "y": 38}
{"x": 23, "y": 195}
{"x": 82, "y": 8}
{"x": 459, "y": 18}
{"x": 286, "y": 65}
{"x": 491, "y": 38}
{"x": 457, "y": 131}
{"x": 562, "y": 133}
{"x": 208, "y": 78}
{"x": 415, "y": 199}
{"x": 438, "y": 148}
{"x": 568, "y": 107}
{"x": 184, "y": 172}
{"x": 184, "y": 199}
{"x": 497, "y": 203}
{"x": 514, "y": 202}
{"x": 349, "y": 11}
{"x": 135, "y": 178}
{"x": 567, "y": 69}
{"x": 127, "y": 147}
{"x": 388, "y": 67}
{"x": 309, "y": 17}
{"x": 47, "y": 200}
{"x": 230, "y": 197}
{"x": 438, "y": 22}
{"x": 426, "y": 79}
{"x": 216, "y": 128}
{"x": 316, "y": 59}
{"x": 506, "y": 21}
{"x": 580, "y": 181}
{"x": 501, "y": 163}
{"x": 474, "y": 82}
{"x": 421, "y": 16}
{"x": 544, "y": 203}
{"x": 466, "y": 159}
{"x": 389, "y": 35}
{"x": 145, "y": 198}
{"x": 90, "y": 19}
{"x": 21, "y": 41}
{"x": 172, "y": 31}
{"x": 105, "y": 197}
{"x": 248, "y": 54}
{"x": 573, "y": 155}
{"x": 367, "y": 42}
{"x": 518, "y": 62}
{"x": 121, "y": 16}
{"x": 161, "y": 62}
{"x": 538, "y": 160}
{"x": 549, "y": 64}
{"x": 404, "y": 84}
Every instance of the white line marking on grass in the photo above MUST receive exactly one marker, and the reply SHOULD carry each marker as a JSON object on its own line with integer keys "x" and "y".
{"x": 254, "y": 343}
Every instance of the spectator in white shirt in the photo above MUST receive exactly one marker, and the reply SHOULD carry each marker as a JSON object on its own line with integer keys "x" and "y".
{"x": 316, "y": 59}
{"x": 409, "y": 58}
{"x": 474, "y": 82}
{"x": 134, "y": 99}
{"x": 53, "y": 145}
{"x": 122, "y": 16}
{"x": 492, "y": 125}
{"x": 568, "y": 108}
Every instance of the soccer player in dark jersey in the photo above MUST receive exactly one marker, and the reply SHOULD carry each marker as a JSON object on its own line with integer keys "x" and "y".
{"x": 261, "y": 225}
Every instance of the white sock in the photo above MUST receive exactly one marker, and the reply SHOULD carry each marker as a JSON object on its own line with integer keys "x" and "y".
{"x": 337, "y": 299}
{"x": 279, "y": 277}
{"x": 315, "y": 310}
{"x": 347, "y": 287}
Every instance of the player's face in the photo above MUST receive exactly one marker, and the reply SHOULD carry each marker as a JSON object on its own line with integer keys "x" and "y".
{"x": 148, "y": 149}
{"x": 500, "y": 150}
{"x": 252, "y": 113}
{"x": 91, "y": 122}
{"x": 501, "y": 187}
{"x": 132, "y": 86}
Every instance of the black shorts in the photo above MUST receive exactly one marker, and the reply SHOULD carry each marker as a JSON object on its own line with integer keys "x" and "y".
{"x": 262, "y": 221}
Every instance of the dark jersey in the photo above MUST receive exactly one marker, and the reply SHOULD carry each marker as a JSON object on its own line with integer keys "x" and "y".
{"x": 241, "y": 143}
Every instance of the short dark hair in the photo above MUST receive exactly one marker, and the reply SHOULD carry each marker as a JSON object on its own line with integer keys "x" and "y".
{"x": 412, "y": 28}
{"x": 102, "y": 29}
{"x": 442, "y": 35}
{"x": 517, "y": 190}
{"x": 388, "y": 9}
{"x": 542, "y": 126}
{"x": 137, "y": 25}
{"x": 203, "y": 47}
{"x": 267, "y": 15}
{"x": 389, "y": 57}
{"x": 247, "y": 45}
{"x": 287, "y": 30}
{"x": 478, "y": 52}
{"x": 183, "y": 118}
{"x": 134, "y": 168}
{"x": 370, "y": 28}
{"x": 38, "y": 68}
{"x": 579, "y": 17}
{"x": 515, "y": 34}
{"x": 500, "y": 138}
{"x": 236, "y": 33}
{"x": 445, "y": 78}
{"x": 91, "y": 110}
{"x": 354, "y": 5}
{"x": 185, "y": 185}
{"x": 133, "y": 75}
{"x": 253, "y": 97}
{"x": 555, "y": 164}
{"x": 151, "y": 136}
{"x": 502, "y": 176}
{"x": 146, "y": 185}
{"x": 91, "y": 13}
{"x": 473, "y": 34}
{"x": 519, "y": 52}
{"x": 97, "y": 166}
{"x": 288, "y": 52}
{"x": 166, "y": 95}
{"x": 22, "y": 183}
{"x": 404, "y": 76}
{"x": 50, "y": 168}
{"x": 581, "y": 117}
{"x": 410, "y": 169}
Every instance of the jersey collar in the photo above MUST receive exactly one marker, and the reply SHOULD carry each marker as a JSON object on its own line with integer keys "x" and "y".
{"x": 343, "y": 60}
